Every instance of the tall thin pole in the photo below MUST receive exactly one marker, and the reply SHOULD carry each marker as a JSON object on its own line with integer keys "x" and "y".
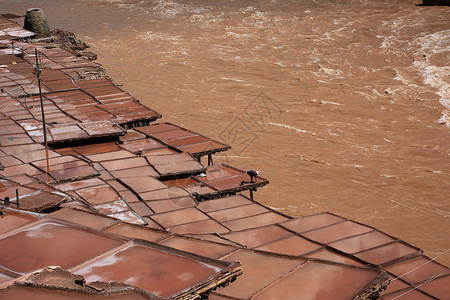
{"x": 44, "y": 125}
{"x": 38, "y": 75}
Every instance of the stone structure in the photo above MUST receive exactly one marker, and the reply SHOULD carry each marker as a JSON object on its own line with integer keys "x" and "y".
{"x": 36, "y": 22}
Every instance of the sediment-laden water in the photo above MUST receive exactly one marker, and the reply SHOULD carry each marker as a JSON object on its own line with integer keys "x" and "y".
{"x": 343, "y": 105}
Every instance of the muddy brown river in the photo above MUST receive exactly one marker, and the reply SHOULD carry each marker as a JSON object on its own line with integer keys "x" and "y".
{"x": 343, "y": 105}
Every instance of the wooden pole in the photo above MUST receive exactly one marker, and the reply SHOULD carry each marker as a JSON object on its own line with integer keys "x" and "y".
{"x": 44, "y": 125}
{"x": 17, "y": 198}
{"x": 38, "y": 75}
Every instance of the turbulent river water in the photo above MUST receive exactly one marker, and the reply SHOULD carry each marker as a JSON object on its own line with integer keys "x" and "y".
{"x": 343, "y": 105}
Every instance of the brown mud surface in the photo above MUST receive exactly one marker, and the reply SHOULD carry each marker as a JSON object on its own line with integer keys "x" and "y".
{"x": 68, "y": 41}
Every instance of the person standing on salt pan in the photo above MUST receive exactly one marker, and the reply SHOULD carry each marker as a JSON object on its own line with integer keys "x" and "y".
{"x": 252, "y": 174}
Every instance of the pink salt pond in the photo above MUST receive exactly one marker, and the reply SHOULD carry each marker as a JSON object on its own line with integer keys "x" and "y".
{"x": 84, "y": 218}
{"x": 155, "y": 270}
{"x": 203, "y": 248}
{"x": 338, "y": 231}
{"x": 255, "y": 237}
{"x": 341, "y": 282}
{"x": 51, "y": 243}
{"x": 21, "y": 292}
{"x": 417, "y": 270}
{"x": 137, "y": 232}
{"x": 12, "y": 220}
{"x": 260, "y": 270}
{"x": 99, "y": 194}
{"x": 312, "y": 222}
